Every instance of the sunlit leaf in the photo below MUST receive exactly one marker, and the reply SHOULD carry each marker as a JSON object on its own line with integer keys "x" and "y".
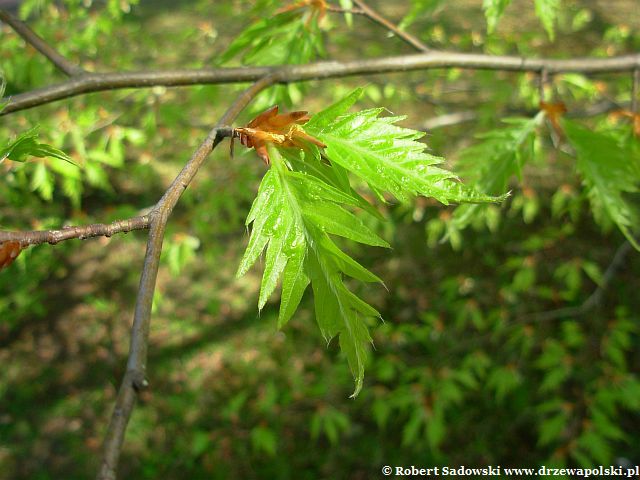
{"x": 292, "y": 223}
{"x": 388, "y": 157}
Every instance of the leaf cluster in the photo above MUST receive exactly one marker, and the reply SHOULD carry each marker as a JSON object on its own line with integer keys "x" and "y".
{"x": 306, "y": 196}
{"x": 610, "y": 169}
{"x": 490, "y": 165}
{"x": 289, "y": 37}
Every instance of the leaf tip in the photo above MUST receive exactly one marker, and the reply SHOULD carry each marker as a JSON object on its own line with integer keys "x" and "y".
{"x": 359, "y": 383}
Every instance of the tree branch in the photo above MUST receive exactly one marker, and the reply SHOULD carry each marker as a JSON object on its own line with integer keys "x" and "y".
{"x": 134, "y": 379}
{"x": 375, "y": 17}
{"x": 33, "y": 39}
{"x": 593, "y": 300}
{"x": 96, "y": 82}
{"x": 37, "y": 237}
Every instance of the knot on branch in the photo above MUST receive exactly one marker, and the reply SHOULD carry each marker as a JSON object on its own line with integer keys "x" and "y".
{"x": 138, "y": 381}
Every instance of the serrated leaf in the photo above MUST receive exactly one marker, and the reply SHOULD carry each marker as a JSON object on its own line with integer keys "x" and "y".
{"x": 331, "y": 175}
{"x": 547, "y": 12}
{"x": 26, "y": 145}
{"x": 388, "y": 157}
{"x": 610, "y": 176}
{"x": 294, "y": 283}
{"x": 493, "y": 11}
{"x": 263, "y": 212}
{"x": 345, "y": 263}
{"x": 291, "y": 217}
{"x": 276, "y": 258}
{"x": 334, "y": 219}
{"x": 326, "y": 116}
{"x": 339, "y": 312}
{"x": 312, "y": 188}
{"x": 493, "y": 162}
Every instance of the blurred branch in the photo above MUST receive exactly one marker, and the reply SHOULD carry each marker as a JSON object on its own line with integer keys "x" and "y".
{"x": 448, "y": 120}
{"x": 594, "y": 299}
{"x": 375, "y": 17}
{"x": 33, "y": 39}
{"x": 334, "y": 9}
{"x": 37, "y": 237}
{"x": 135, "y": 377}
{"x": 465, "y": 116}
{"x": 96, "y": 82}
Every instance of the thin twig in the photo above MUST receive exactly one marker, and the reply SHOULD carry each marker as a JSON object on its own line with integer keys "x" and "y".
{"x": 33, "y": 39}
{"x": 380, "y": 20}
{"x": 334, "y": 9}
{"x": 135, "y": 377}
{"x": 37, "y": 237}
{"x": 96, "y": 82}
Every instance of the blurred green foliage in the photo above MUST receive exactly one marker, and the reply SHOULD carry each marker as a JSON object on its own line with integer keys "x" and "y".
{"x": 468, "y": 368}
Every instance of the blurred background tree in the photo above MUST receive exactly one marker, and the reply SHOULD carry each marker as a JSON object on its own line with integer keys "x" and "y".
{"x": 515, "y": 342}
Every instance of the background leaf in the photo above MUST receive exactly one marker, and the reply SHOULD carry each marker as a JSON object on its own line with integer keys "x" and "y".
{"x": 493, "y": 10}
{"x": 547, "y": 12}
{"x": 610, "y": 176}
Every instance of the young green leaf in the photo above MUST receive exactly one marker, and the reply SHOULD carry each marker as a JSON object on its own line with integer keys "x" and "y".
{"x": 340, "y": 312}
{"x": 610, "y": 175}
{"x": 292, "y": 216}
{"x": 388, "y": 157}
{"x": 294, "y": 283}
